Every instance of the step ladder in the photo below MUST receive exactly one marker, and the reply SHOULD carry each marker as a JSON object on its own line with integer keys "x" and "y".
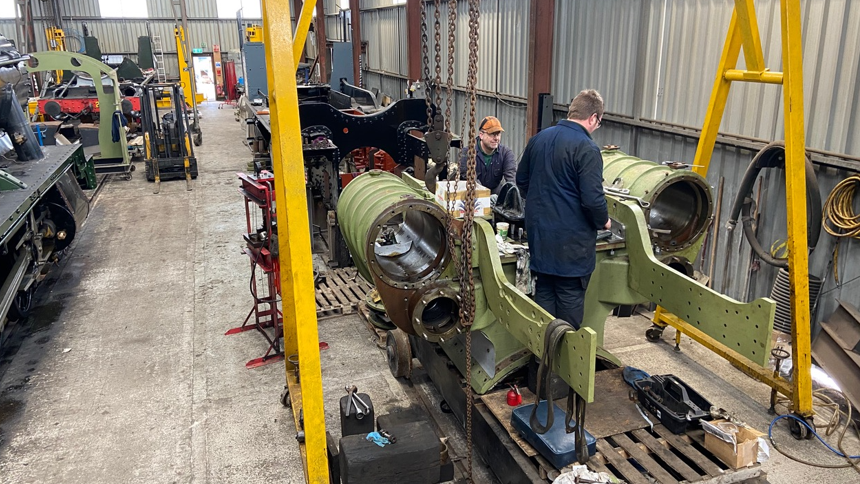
{"x": 158, "y": 54}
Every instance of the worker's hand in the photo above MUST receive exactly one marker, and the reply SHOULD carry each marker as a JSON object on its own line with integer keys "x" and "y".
{"x": 608, "y": 224}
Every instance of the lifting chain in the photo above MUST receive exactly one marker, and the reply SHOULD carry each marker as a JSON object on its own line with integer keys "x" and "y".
{"x": 453, "y": 167}
{"x": 426, "y": 63}
{"x": 437, "y": 49}
{"x": 464, "y": 262}
{"x": 467, "y": 289}
{"x": 452, "y": 38}
{"x": 437, "y": 138}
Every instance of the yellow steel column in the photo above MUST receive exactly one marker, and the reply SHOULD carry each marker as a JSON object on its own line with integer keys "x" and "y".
{"x": 795, "y": 181}
{"x": 302, "y": 25}
{"x": 719, "y": 96}
{"x": 748, "y": 25}
{"x": 294, "y": 243}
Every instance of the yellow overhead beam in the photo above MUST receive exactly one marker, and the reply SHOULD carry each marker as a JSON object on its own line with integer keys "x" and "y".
{"x": 765, "y": 76}
{"x": 294, "y": 239}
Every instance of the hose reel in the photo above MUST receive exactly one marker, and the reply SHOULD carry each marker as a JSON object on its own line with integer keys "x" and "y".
{"x": 773, "y": 156}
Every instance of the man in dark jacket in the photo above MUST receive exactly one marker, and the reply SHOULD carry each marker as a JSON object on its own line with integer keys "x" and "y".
{"x": 561, "y": 178}
{"x": 495, "y": 163}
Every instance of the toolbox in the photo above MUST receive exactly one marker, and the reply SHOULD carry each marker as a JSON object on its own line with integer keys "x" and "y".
{"x": 673, "y": 402}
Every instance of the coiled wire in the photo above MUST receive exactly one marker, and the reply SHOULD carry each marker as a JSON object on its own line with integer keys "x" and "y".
{"x": 839, "y": 219}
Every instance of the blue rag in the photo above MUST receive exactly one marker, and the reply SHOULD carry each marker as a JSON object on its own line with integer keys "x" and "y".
{"x": 377, "y": 439}
{"x": 116, "y": 126}
{"x": 632, "y": 375}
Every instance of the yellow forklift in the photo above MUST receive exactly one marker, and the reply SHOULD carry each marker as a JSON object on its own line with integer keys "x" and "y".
{"x": 168, "y": 149}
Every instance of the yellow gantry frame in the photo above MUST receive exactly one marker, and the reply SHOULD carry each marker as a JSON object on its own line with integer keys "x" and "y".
{"x": 743, "y": 33}
{"x": 294, "y": 243}
{"x": 186, "y": 79}
{"x": 56, "y": 42}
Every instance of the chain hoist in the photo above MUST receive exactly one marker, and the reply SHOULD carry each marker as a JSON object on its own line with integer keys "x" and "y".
{"x": 467, "y": 289}
{"x": 454, "y": 167}
{"x": 425, "y": 49}
{"x": 438, "y": 139}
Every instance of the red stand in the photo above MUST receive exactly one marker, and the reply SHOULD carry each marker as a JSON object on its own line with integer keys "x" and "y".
{"x": 260, "y": 242}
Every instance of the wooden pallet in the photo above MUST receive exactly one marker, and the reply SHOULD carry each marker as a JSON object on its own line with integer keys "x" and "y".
{"x": 665, "y": 457}
{"x": 631, "y": 453}
{"x": 380, "y": 336}
{"x": 341, "y": 293}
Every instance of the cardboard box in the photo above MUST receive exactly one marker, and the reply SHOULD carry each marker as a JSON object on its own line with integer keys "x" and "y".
{"x": 458, "y": 194}
{"x": 742, "y": 453}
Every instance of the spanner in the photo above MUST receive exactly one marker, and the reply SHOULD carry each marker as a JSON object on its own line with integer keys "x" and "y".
{"x": 620, "y": 193}
{"x": 349, "y": 403}
{"x": 641, "y": 412}
{"x": 361, "y": 401}
{"x": 359, "y": 414}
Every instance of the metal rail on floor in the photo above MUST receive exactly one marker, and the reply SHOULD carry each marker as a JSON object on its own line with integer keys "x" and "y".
{"x": 297, "y": 280}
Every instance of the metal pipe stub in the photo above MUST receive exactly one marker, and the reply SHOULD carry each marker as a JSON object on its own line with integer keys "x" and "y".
{"x": 435, "y": 313}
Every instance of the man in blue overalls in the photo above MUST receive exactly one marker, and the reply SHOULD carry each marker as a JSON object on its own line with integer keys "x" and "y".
{"x": 561, "y": 178}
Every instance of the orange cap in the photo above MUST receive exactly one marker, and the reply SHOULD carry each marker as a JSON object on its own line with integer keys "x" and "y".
{"x": 491, "y": 125}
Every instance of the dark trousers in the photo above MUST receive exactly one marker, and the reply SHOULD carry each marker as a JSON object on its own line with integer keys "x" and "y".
{"x": 563, "y": 297}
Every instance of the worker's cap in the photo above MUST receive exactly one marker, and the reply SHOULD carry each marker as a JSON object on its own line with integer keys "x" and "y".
{"x": 491, "y": 125}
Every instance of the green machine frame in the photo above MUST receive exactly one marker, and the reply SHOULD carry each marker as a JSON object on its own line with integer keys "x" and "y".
{"x": 113, "y": 156}
{"x": 659, "y": 218}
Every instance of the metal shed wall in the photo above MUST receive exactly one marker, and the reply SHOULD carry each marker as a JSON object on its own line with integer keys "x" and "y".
{"x": 655, "y": 61}
{"x": 386, "y": 50}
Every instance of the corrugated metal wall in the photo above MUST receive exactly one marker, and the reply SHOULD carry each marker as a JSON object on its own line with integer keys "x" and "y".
{"x": 371, "y": 4}
{"x": 337, "y": 27}
{"x": 119, "y": 36}
{"x": 502, "y": 45}
{"x": 588, "y": 54}
{"x": 656, "y": 60}
{"x": 334, "y": 21}
{"x": 76, "y": 8}
{"x": 385, "y": 50}
{"x": 679, "y": 80}
{"x": 158, "y": 9}
{"x": 8, "y": 29}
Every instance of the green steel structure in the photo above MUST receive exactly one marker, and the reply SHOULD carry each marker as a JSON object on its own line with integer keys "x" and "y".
{"x": 396, "y": 233}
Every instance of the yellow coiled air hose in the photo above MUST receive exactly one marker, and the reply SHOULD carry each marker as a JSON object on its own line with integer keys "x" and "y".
{"x": 839, "y": 219}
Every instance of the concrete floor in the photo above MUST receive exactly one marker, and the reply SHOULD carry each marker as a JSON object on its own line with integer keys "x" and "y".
{"x": 124, "y": 373}
{"x": 725, "y": 386}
